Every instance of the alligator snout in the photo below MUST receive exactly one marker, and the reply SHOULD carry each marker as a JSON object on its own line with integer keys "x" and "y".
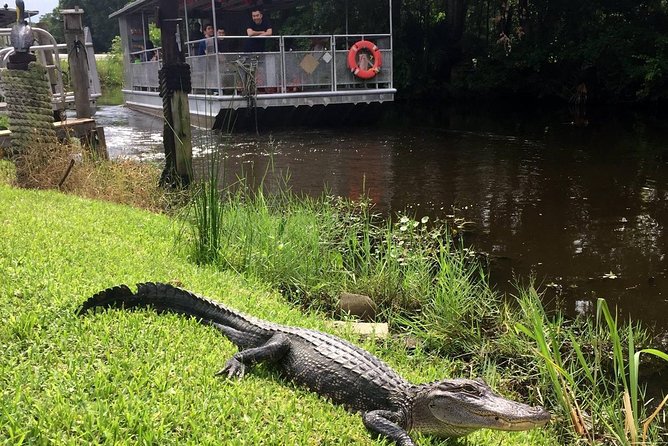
{"x": 532, "y": 417}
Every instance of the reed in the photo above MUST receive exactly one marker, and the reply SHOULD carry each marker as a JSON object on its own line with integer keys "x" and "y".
{"x": 595, "y": 382}
{"x": 206, "y": 208}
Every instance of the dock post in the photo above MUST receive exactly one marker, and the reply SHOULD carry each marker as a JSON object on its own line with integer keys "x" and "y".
{"x": 77, "y": 58}
{"x": 174, "y": 77}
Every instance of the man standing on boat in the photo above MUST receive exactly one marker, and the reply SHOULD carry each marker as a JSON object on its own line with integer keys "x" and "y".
{"x": 259, "y": 26}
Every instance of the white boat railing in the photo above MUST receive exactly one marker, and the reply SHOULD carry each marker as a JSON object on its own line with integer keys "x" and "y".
{"x": 49, "y": 54}
{"x": 292, "y": 64}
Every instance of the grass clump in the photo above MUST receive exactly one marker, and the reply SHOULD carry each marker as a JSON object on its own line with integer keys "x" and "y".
{"x": 596, "y": 383}
{"x": 72, "y": 169}
{"x": 313, "y": 249}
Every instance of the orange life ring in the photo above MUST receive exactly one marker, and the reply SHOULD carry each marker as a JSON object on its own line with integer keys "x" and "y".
{"x": 354, "y": 65}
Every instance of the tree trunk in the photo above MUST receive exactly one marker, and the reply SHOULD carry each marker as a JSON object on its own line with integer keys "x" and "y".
{"x": 455, "y": 15}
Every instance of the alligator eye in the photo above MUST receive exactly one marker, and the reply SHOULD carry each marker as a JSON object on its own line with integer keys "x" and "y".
{"x": 468, "y": 388}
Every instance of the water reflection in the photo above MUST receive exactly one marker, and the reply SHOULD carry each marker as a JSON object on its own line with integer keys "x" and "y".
{"x": 581, "y": 209}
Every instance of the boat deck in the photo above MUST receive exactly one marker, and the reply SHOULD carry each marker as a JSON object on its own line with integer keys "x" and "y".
{"x": 294, "y": 73}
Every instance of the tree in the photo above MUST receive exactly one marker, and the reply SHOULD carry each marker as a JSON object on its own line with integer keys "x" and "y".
{"x": 96, "y": 17}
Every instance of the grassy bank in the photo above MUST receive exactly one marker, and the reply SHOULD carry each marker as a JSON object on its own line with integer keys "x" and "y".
{"x": 140, "y": 378}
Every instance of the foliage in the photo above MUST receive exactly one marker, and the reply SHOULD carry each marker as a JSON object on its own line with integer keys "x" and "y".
{"x": 96, "y": 17}
{"x": 154, "y": 34}
{"x": 600, "y": 397}
{"x": 7, "y": 172}
{"x": 53, "y": 23}
{"x": 140, "y": 378}
{"x": 541, "y": 49}
{"x": 110, "y": 67}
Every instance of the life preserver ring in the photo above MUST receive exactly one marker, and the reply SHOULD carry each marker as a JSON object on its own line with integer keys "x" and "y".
{"x": 354, "y": 65}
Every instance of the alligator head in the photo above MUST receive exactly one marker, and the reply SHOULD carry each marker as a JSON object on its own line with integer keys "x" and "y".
{"x": 457, "y": 407}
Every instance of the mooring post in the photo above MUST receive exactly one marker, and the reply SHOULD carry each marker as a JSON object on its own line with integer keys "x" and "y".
{"x": 77, "y": 58}
{"x": 174, "y": 79}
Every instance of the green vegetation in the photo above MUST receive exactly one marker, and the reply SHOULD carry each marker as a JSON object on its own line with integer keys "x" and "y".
{"x": 580, "y": 384}
{"x": 110, "y": 71}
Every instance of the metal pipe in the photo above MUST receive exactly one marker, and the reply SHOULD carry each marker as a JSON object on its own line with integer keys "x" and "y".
{"x": 215, "y": 46}
{"x": 284, "y": 74}
{"x": 185, "y": 12}
{"x": 391, "y": 46}
{"x": 143, "y": 32}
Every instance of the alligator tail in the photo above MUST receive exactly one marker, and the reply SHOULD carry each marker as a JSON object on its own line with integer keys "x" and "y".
{"x": 162, "y": 298}
{"x": 116, "y": 297}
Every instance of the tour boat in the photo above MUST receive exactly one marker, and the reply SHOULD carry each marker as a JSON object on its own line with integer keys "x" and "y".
{"x": 294, "y": 72}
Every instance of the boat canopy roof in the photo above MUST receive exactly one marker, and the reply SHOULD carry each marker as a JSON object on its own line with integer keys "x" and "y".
{"x": 148, "y": 6}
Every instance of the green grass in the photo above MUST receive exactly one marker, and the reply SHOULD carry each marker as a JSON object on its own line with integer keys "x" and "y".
{"x": 139, "y": 378}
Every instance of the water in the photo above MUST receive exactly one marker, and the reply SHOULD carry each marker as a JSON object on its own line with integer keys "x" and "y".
{"x": 580, "y": 206}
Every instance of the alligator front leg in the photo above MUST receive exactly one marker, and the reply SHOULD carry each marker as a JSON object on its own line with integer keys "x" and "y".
{"x": 274, "y": 349}
{"x": 386, "y": 423}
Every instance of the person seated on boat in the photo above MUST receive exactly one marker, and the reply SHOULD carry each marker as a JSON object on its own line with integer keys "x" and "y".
{"x": 150, "y": 54}
{"x": 196, "y": 32}
{"x": 223, "y": 44}
{"x": 258, "y": 26}
{"x": 206, "y": 46}
{"x": 318, "y": 44}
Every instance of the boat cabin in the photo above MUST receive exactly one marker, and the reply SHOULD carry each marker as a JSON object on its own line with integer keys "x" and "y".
{"x": 291, "y": 67}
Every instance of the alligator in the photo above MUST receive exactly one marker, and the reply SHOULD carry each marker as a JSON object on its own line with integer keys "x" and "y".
{"x": 334, "y": 368}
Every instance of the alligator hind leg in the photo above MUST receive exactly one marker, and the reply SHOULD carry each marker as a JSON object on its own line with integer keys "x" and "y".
{"x": 387, "y": 424}
{"x": 272, "y": 350}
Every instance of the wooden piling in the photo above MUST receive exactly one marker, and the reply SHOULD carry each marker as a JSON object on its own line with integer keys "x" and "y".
{"x": 174, "y": 89}
{"x": 77, "y": 58}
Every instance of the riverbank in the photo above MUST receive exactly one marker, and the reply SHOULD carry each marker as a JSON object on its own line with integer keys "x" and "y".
{"x": 139, "y": 377}
{"x": 445, "y": 320}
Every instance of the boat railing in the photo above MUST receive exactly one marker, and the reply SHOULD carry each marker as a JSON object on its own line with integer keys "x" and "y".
{"x": 49, "y": 53}
{"x": 290, "y": 64}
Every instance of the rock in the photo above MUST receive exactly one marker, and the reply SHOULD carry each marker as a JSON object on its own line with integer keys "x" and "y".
{"x": 358, "y": 305}
{"x": 366, "y": 329}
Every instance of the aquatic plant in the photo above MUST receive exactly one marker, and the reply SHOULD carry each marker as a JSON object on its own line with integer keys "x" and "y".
{"x": 594, "y": 377}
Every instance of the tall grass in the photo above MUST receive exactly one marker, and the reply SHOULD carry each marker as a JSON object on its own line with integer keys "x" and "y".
{"x": 312, "y": 249}
{"x": 110, "y": 67}
{"x": 207, "y": 206}
{"x": 596, "y": 385}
